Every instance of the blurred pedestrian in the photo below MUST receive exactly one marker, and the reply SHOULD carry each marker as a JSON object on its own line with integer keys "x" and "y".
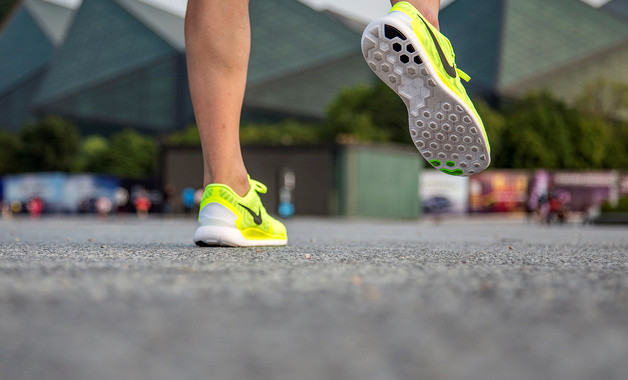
{"x": 16, "y": 207}
{"x": 142, "y": 205}
{"x": 187, "y": 196}
{"x": 170, "y": 193}
{"x": 121, "y": 199}
{"x": 5, "y": 209}
{"x": 103, "y": 207}
{"x": 35, "y": 207}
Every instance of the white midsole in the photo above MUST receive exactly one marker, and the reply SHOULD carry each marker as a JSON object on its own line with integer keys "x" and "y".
{"x": 230, "y": 236}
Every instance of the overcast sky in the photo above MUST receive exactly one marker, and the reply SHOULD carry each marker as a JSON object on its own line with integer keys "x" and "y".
{"x": 361, "y": 9}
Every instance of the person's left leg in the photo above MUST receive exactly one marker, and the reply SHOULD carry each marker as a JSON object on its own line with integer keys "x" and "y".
{"x": 407, "y": 51}
{"x": 428, "y": 8}
{"x": 218, "y": 39}
{"x": 218, "y": 42}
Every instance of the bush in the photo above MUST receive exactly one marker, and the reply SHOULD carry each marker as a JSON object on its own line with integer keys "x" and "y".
{"x": 622, "y": 206}
{"x": 284, "y": 133}
{"x": 10, "y": 147}
{"x": 541, "y": 131}
{"x": 187, "y": 137}
{"x": 131, "y": 155}
{"x": 367, "y": 114}
{"x": 93, "y": 154}
{"x": 50, "y": 144}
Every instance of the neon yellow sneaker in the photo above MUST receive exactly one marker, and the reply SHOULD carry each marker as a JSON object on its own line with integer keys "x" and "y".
{"x": 226, "y": 219}
{"x": 418, "y": 63}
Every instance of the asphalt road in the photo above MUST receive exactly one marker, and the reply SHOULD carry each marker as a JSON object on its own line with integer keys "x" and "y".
{"x": 490, "y": 299}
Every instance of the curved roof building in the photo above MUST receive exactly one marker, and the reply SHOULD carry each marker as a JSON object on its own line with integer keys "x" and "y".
{"x": 27, "y": 42}
{"x": 121, "y": 63}
{"x": 513, "y": 46}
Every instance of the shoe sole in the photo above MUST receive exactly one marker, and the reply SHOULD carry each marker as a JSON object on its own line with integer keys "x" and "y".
{"x": 443, "y": 128}
{"x": 219, "y": 236}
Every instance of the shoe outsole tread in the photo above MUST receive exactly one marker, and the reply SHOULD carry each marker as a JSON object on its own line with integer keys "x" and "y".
{"x": 441, "y": 125}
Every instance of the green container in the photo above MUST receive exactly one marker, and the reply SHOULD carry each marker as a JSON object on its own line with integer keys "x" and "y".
{"x": 378, "y": 181}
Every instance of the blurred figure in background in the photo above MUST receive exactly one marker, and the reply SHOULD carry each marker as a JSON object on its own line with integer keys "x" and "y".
{"x": 142, "y": 205}
{"x": 103, "y": 207}
{"x": 16, "y": 207}
{"x": 121, "y": 199}
{"x": 170, "y": 194}
{"x": 187, "y": 196}
{"x": 35, "y": 207}
{"x": 5, "y": 208}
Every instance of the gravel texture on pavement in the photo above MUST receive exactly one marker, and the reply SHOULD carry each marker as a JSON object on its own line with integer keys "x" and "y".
{"x": 347, "y": 299}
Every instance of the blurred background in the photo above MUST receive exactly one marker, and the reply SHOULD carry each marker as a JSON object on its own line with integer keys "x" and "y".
{"x": 96, "y": 117}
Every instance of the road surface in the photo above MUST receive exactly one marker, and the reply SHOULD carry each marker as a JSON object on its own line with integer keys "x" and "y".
{"x": 348, "y": 299}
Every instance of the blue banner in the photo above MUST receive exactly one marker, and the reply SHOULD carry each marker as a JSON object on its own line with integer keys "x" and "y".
{"x": 60, "y": 192}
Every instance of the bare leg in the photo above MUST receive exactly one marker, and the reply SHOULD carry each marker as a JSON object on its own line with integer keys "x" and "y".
{"x": 428, "y": 8}
{"x": 218, "y": 43}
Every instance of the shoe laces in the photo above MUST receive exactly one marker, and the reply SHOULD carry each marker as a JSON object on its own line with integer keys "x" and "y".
{"x": 464, "y": 76}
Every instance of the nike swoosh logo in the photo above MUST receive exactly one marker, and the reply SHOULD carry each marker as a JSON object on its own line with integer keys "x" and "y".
{"x": 448, "y": 68}
{"x": 257, "y": 218}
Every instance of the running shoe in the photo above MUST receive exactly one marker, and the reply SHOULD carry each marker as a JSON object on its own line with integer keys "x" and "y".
{"x": 418, "y": 63}
{"x": 226, "y": 219}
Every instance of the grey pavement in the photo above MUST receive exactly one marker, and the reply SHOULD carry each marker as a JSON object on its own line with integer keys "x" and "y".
{"x": 348, "y": 299}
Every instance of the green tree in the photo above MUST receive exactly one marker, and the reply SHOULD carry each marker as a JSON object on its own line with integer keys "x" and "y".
{"x": 188, "y": 137}
{"x": 285, "y": 133}
{"x": 93, "y": 155}
{"x": 543, "y": 132}
{"x": 50, "y": 144}
{"x": 131, "y": 154}
{"x": 9, "y": 153}
{"x": 495, "y": 125}
{"x": 367, "y": 113}
{"x": 604, "y": 99}
{"x": 616, "y": 156}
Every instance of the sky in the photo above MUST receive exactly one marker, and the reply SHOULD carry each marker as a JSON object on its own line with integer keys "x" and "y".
{"x": 364, "y": 10}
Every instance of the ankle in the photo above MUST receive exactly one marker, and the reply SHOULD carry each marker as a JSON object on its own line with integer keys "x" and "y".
{"x": 431, "y": 17}
{"x": 238, "y": 183}
{"x": 428, "y": 8}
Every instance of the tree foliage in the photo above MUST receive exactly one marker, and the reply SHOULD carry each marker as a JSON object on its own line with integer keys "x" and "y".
{"x": 50, "y": 144}
{"x": 9, "y": 153}
{"x": 93, "y": 155}
{"x": 543, "y": 132}
{"x": 534, "y": 132}
{"x": 53, "y": 144}
{"x": 131, "y": 154}
{"x": 126, "y": 154}
{"x": 285, "y": 133}
{"x": 495, "y": 125}
{"x": 188, "y": 137}
{"x": 367, "y": 113}
{"x": 604, "y": 99}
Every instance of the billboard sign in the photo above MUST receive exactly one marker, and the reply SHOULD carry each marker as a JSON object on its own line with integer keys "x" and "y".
{"x": 498, "y": 191}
